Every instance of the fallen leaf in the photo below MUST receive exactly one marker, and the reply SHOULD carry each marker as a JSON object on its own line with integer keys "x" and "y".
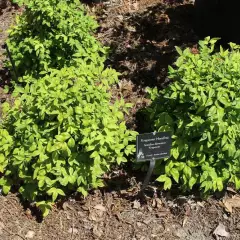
{"x": 226, "y": 204}
{"x": 184, "y": 221}
{"x": 73, "y": 230}
{"x": 81, "y": 214}
{"x": 136, "y": 204}
{"x": 187, "y": 210}
{"x": 64, "y": 206}
{"x": 131, "y": 28}
{"x": 92, "y": 217}
{"x": 139, "y": 224}
{"x": 159, "y": 202}
{"x": 230, "y": 203}
{"x": 154, "y": 203}
{"x": 120, "y": 17}
{"x": 97, "y": 232}
{"x": 87, "y": 226}
{"x": 28, "y": 213}
{"x": 85, "y": 208}
{"x": 221, "y": 231}
{"x": 100, "y": 207}
{"x": 150, "y": 209}
{"x": 147, "y": 221}
{"x": 68, "y": 217}
{"x": 123, "y": 192}
{"x": 30, "y": 234}
{"x": 225, "y": 216}
{"x": 201, "y": 204}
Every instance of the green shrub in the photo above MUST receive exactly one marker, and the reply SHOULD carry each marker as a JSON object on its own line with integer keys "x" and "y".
{"x": 53, "y": 34}
{"x": 62, "y": 134}
{"x": 202, "y": 110}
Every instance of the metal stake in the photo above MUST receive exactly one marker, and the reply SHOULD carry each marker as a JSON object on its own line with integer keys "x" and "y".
{"x": 149, "y": 174}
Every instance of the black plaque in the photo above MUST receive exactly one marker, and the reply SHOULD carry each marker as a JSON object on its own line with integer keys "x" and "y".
{"x": 153, "y": 146}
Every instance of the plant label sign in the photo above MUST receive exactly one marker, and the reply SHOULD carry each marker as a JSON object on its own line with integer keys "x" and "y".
{"x": 153, "y": 146}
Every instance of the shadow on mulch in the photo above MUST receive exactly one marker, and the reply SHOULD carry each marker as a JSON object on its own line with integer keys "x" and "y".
{"x": 149, "y": 43}
{"x": 5, "y": 77}
{"x": 132, "y": 176}
{"x": 31, "y": 210}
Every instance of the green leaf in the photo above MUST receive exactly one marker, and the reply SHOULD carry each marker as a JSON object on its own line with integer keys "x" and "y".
{"x": 54, "y": 196}
{"x": 219, "y": 184}
{"x": 162, "y": 178}
{"x": 94, "y": 154}
{"x": 64, "y": 181}
{"x": 63, "y": 137}
{"x": 120, "y": 160}
{"x": 224, "y": 140}
{"x": 60, "y": 192}
{"x": 2, "y": 158}
{"x": 83, "y": 191}
{"x": 178, "y": 49}
{"x": 45, "y": 207}
{"x": 167, "y": 184}
{"x": 175, "y": 153}
{"x": 175, "y": 174}
{"x": 237, "y": 182}
{"x": 192, "y": 181}
{"x": 6, "y": 189}
{"x": 204, "y": 176}
{"x": 187, "y": 171}
{"x": 71, "y": 143}
{"x": 41, "y": 183}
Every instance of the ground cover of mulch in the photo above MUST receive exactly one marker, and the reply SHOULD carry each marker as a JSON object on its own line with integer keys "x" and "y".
{"x": 142, "y": 36}
{"x": 7, "y": 16}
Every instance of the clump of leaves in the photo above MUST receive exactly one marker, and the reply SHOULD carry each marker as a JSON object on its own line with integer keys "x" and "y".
{"x": 63, "y": 133}
{"x": 53, "y": 34}
{"x": 201, "y": 108}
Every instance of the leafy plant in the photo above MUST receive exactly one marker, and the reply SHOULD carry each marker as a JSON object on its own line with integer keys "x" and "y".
{"x": 201, "y": 108}
{"x": 62, "y": 134}
{"x": 53, "y": 34}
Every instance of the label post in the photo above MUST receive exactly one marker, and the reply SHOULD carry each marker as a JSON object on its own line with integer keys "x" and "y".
{"x": 151, "y": 147}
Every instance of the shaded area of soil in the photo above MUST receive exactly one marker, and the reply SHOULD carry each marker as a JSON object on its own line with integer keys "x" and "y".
{"x": 143, "y": 43}
{"x": 7, "y": 16}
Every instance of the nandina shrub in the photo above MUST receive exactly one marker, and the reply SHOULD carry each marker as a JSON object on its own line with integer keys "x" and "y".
{"x": 62, "y": 134}
{"x": 201, "y": 108}
{"x": 53, "y": 34}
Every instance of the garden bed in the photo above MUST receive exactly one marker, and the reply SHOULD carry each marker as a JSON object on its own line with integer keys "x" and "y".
{"x": 143, "y": 40}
